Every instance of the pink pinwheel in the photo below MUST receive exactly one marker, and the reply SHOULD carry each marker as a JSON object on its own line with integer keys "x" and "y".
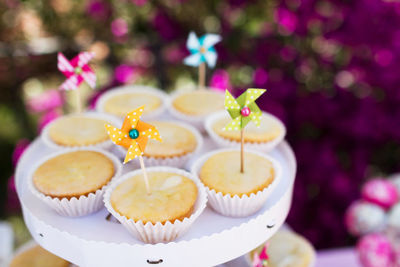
{"x": 77, "y": 70}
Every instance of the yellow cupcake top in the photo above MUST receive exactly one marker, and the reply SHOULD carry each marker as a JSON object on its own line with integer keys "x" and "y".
{"x": 173, "y": 197}
{"x": 73, "y": 174}
{"x": 221, "y": 172}
{"x": 177, "y": 141}
{"x": 199, "y": 102}
{"x": 38, "y": 257}
{"x": 121, "y": 104}
{"x": 77, "y": 130}
{"x": 270, "y": 129}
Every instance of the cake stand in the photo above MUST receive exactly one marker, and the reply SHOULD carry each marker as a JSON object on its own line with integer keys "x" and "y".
{"x": 93, "y": 241}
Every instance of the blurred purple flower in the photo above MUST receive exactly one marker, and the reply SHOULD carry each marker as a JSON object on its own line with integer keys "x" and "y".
{"x": 98, "y": 9}
{"x": 286, "y": 19}
{"x": 119, "y": 27}
{"x": 124, "y": 73}
{"x": 220, "y": 80}
{"x": 12, "y": 203}
{"x": 260, "y": 77}
{"x": 47, "y": 100}
{"x": 166, "y": 26}
{"x": 19, "y": 150}
{"x": 47, "y": 117}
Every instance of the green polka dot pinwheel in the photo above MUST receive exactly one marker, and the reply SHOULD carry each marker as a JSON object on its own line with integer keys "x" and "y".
{"x": 243, "y": 110}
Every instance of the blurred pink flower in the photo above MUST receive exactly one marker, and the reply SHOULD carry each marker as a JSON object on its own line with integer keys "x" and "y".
{"x": 119, "y": 27}
{"x": 46, "y": 118}
{"x": 174, "y": 54}
{"x": 260, "y": 77}
{"x": 220, "y": 80}
{"x": 19, "y": 149}
{"x": 48, "y": 100}
{"x": 286, "y": 19}
{"x": 139, "y": 2}
{"x": 124, "y": 73}
{"x": 12, "y": 202}
{"x": 98, "y": 9}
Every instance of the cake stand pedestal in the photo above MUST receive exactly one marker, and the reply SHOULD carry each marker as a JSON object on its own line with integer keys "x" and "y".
{"x": 93, "y": 241}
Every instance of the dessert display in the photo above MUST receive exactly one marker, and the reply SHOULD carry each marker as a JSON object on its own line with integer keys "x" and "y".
{"x": 36, "y": 256}
{"x": 270, "y": 132}
{"x": 121, "y": 100}
{"x": 73, "y": 182}
{"x": 78, "y": 130}
{"x": 284, "y": 249}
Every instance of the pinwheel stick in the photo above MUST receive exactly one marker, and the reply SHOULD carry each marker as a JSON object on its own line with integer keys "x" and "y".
{"x": 242, "y": 150}
{"x": 146, "y": 178}
{"x": 78, "y": 101}
{"x": 202, "y": 75}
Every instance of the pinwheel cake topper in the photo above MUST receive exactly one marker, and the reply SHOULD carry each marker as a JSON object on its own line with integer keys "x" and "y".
{"x": 261, "y": 260}
{"x": 133, "y": 136}
{"x": 243, "y": 110}
{"x": 202, "y": 52}
{"x": 76, "y": 70}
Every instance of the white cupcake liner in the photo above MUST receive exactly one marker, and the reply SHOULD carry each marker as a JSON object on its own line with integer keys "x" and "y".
{"x": 135, "y": 89}
{"x": 175, "y": 161}
{"x": 107, "y": 145}
{"x": 224, "y": 142}
{"x": 238, "y": 206}
{"x": 74, "y": 207}
{"x": 158, "y": 233}
{"x": 195, "y": 121}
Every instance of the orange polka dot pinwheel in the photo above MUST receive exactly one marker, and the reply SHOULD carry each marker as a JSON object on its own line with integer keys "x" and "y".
{"x": 134, "y": 134}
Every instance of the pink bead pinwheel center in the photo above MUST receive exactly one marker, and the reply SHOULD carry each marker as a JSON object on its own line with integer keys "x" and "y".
{"x": 245, "y": 112}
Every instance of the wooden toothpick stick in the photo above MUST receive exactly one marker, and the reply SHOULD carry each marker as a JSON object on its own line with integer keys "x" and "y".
{"x": 78, "y": 101}
{"x": 242, "y": 150}
{"x": 202, "y": 75}
{"x": 146, "y": 178}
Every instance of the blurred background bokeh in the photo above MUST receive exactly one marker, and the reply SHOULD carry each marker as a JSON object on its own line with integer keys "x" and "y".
{"x": 331, "y": 68}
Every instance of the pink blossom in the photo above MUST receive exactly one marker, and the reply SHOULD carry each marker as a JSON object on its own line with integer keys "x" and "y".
{"x": 220, "y": 80}
{"x": 19, "y": 149}
{"x": 286, "y": 19}
{"x": 98, "y": 9}
{"x": 48, "y": 100}
{"x": 124, "y": 73}
{"x": 119, "y": 27}
{"x": 260, "y": 77}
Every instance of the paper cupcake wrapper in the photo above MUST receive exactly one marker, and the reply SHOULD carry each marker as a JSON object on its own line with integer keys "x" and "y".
{"x": 224, "y": 142}
{"x": 135, "y": 89}
{"x": 157, "y": 233}
{"x": 106, "y": 145}
{"x": 175, "y": 161}
{"x": 237, "y": 206}
{"x": 74, "y": 207}
{"x": 195, "y": 121}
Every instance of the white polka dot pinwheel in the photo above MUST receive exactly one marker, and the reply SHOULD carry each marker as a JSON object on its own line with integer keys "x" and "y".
{"x": 243, "y": 110}
{"x": 134, "y": 135}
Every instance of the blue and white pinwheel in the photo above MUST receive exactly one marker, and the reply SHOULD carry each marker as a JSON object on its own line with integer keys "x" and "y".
{"x": 202, "y": 49}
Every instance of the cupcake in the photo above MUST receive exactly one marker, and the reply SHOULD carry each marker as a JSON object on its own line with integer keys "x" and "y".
{"x": 180, "y": 142}
{"x": 78, "y": 130}
{"x": 121, "y": 100}
{"x": 286, "y": 249}
{"x": 72, "y": 182}
{"x": 194, "y": 106}
{"x": 264, "y": 138}
{"x": 230, "y": 192}
{"x": 175, "y": 201}
{"x": 36, "y": 256}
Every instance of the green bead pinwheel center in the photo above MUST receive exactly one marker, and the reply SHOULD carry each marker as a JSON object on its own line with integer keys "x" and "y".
{"x": 133, "y": 134}
{"x": 78, "y": 70}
